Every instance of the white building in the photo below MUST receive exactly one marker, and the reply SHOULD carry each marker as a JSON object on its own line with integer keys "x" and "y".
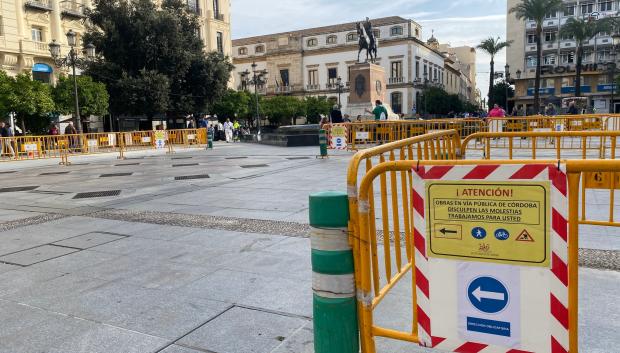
{"x": 309, "y": 62}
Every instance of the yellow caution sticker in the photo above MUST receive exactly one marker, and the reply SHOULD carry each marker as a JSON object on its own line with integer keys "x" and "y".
{"x": 500, "y": 222}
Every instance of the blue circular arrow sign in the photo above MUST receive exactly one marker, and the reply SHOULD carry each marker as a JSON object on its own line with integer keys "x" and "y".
{"x": 488, "y": 295}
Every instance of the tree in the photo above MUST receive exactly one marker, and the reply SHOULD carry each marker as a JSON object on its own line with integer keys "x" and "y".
{"x": 93, "y": 96}
{"x": 498, "y": 93}
{"x": 492, "y": 46}
{"x": 152, "y": 60}
{"x": 239, "y": 104}
{"x": 280, "y": 109}
{"x": 30, "y": 100}
{"x": 536, "y": 10}
{"x": 315, "y": 107}
{"x": 582, "y": 30}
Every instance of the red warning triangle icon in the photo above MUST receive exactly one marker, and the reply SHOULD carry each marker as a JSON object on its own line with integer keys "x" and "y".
{"x": 525, "y": 236}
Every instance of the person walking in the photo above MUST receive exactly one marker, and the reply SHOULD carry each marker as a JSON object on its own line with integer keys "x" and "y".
{"x": 572, "y": 109}
{"x": 380, "y": 112}
{"x": 550, "y": 111}
{"x": 6, "y": 132}
{"x": 228, "y": 130}
{"x": 70, "y": 130}
{"x": 336, "y": 115}
{"x": 236, "y": 130}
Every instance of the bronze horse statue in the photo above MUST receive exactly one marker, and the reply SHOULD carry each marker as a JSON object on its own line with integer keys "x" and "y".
{"x": 367, "y": 41}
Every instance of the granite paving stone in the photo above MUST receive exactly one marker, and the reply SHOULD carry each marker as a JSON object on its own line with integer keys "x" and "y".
{"x": 241, "y": 330}
{"x": 35, "y": 255}
{"x": 89, "y": 240}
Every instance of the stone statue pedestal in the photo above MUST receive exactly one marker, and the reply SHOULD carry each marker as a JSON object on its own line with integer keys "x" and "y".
{"x": 368, "y": 84}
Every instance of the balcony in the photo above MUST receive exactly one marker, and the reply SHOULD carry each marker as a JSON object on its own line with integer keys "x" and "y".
{"x": 72, "y": 9}
{"x": 283, "y": 89}
{"x": 313, "y": 87}
{"x": 219, "y": 16}
{"x": 29, "y": 46}
{"x": 396, "y": 80}
{"x": 39, "y": 5}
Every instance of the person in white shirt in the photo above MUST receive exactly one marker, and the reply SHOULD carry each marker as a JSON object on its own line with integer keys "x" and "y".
{"x": 228, "y": 129}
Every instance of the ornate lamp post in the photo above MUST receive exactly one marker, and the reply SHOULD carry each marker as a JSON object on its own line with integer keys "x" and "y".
{"x": 259, "y": 78}
{"x": 72, "y": 60}
{"x": 339, "y": 87}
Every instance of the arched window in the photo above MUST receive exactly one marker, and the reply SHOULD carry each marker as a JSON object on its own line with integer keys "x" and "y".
{"x": 332, "y": 40}
{"x": 396, "y": 31}
{"x": 312, "y": 42}
{"x": 243, "y": 51}
{"x": 396, "y": 99}
{"x": 352, "y": 37}
{"x": 259, "y": 49}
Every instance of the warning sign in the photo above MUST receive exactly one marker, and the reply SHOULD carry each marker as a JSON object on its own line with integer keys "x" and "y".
{"x": 338, "y": 137}
{"x": 477, "y": 220}
{"x": 525, "y": 236}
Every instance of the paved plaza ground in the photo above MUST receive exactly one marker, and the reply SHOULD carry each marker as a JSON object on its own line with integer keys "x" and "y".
{"x": 200, "y": 251}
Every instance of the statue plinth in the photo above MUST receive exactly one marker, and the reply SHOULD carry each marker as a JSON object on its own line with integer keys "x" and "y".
{"x": 368, "y": 84}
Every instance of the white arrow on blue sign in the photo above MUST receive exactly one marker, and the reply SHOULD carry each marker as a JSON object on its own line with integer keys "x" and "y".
{"x": 488, "y": 295}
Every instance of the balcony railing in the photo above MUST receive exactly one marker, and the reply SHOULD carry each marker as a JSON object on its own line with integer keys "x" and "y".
{"x": 41, "y": 46}
{"x": 72, "y": 9}
{"x": 41, "y": 5}
{"x": 284, "y": 89}
{"x": 396, "y": 80}
{"x": 313, "y": 87}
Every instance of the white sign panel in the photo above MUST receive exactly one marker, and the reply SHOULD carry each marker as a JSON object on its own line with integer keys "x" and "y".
{"x": 146, "y": 139}
{"x": 362, "y": 135}
{"x": 30, "y": 147}
{"x": 92, "y": 143}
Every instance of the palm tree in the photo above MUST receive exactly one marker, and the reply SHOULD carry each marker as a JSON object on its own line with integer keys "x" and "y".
{"x": 492, "y": 46}
{"x": 582, "y": 30}
{"x": 536, "y": 10}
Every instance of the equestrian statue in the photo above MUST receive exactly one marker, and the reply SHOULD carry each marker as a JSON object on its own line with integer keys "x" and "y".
{"x": 367, "y": 40}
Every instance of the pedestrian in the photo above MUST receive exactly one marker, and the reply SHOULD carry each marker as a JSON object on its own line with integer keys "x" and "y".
{"x": 8, "y": 134}
{"x": 572, "y": 109}
{"x": 380, "y": 112}
{"x": 347, "y": 118}
{"x": 228, "y": 130}
{"x": 359, "y": 119}
{"x": 497, "y": 112}
{"x": 550, "y": 111}
{"x": 53, "y": 130}
{"x": 236, "y": 128}
{"x": 70, "y": 130}
{"x": 324, "y": 121}
{"x": 336, "y": 115}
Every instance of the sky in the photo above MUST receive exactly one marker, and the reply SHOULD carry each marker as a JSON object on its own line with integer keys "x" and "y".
{"x": 456, "y": 22}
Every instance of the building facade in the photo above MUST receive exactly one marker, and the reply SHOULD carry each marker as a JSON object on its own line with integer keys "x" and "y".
{"x": 28, "y": 26}
{"x": 558, "y": 58}
{"x": 309, "y": 62}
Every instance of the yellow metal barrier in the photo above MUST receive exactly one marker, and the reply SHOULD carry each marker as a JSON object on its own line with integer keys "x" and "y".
{"x": 58, "y": 146}
{"x": 374, "y": 280}
{"x": 565, "y": 144}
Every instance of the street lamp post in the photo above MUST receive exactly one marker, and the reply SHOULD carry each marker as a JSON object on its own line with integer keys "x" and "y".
{"x": 258, "y": 78}
{"x": 339, "y": 86}
{"x": 616, "y": 45}
{"x": 72, "y": 60}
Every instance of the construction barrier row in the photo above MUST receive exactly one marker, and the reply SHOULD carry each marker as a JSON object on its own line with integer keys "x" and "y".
{"x": 361, "y": 135}
{"x": 394, "y": 222}
{"x": 58, "y": 146}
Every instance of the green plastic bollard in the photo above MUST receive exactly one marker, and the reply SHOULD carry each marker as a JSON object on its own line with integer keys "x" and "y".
{"x": 210, "y": 140}
{"x": 323, "y": 143}
{"x": 334, "y": 305}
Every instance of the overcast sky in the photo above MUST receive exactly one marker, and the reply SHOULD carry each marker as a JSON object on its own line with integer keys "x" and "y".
{"x": 457, "y": 22}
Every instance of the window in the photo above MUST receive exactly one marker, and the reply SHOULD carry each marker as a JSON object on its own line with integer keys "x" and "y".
{"x": 397, "y": 69}
{"x": 259, "y": 49}
{"x": 587, "y": 8}
{"x": 531, "y": 61}
{"x": 1, "y": 27}
{"x": 396, "y": 31}
{"x": 351, "y": 37}
{"x": 220, "y": 42}
{"x": 425, "y": 71}
{"x": 567, "y": 57}
{"x": 550, "y": 36}
{"x": 531, "y": 39}
{"x": 569, "y": 10}
{"x": 313, "y": 77}
{"x": 568, "y": 82}
{"x": 417, "y": 32}
{"x": 332, "y": 40}
{"x": 312, "y": 42}
{"x": 332, "y": 75}
{"x": 377, "y": 33}
{"x": 605, "y": 6}
{"x": 397, "y": 102}
{"x": 588, "y": 56}
{"x": 548, "y": 82}
{"x": 192, "y": 5}
{"x": 549, "y": 59}
{"x": 550, "y": 15}
{"x": 567, "y": 37}
{"x": 284, "y": 77}
{"x": 531, "y": 83}
{"x": 216, "y": 8}
{"x": 37, "y": 34}
{"x": 417, "y": 69}
{"x": 603, "y": 55}
{"x": 243, "y": 51}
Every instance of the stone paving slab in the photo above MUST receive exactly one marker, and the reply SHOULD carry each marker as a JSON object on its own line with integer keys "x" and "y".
{"x": 35, "y": 255}
{"x": 89, "y": 240}
{"x": 241, "y": 330}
